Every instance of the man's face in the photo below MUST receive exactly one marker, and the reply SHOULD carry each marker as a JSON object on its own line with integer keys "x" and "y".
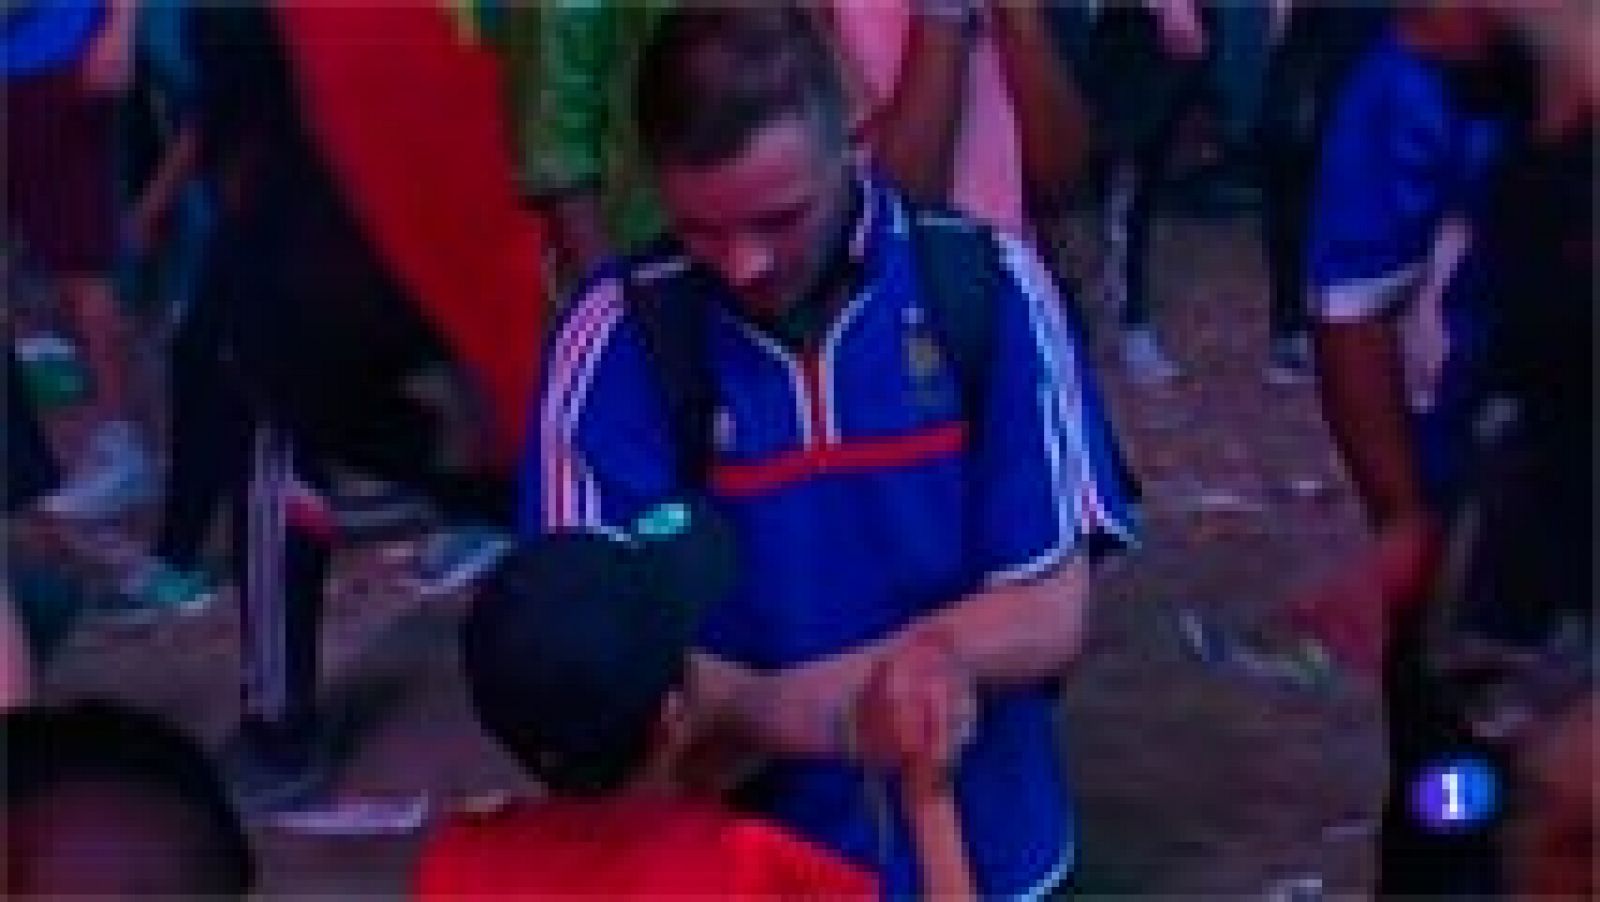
{"x": 764, "y": 219}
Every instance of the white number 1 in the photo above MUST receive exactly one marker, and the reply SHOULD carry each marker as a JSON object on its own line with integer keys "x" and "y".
{"x": 1455, "y": 808}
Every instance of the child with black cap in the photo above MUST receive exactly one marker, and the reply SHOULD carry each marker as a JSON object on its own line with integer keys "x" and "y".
{"x": 575, "y": 655}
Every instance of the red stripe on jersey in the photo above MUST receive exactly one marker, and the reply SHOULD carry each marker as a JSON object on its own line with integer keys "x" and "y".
{"x": 851, "y": 456}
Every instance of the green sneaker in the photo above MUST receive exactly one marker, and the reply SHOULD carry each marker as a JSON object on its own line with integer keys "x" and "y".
{"x": 51, "y": 368}
{"x": 161, "y": 590}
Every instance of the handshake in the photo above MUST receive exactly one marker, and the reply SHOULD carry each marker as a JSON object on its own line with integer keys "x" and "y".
{"x": 916, "y": 711}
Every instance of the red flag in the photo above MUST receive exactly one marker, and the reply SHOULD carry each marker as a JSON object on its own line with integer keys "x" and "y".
{"x": 410, "y": 118}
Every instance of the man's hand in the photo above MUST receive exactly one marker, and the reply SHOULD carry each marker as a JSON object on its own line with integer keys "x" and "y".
{"x": 1425, "y": 335}
{"x": 916, "y": 711}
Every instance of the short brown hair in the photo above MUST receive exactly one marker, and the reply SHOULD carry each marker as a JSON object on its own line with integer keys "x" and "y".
{"x": 711, "y": 77}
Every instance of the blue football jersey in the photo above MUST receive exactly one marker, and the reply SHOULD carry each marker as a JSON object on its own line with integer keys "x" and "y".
{"x": 1400, "y": 155}
{"x": 862, "y": 499}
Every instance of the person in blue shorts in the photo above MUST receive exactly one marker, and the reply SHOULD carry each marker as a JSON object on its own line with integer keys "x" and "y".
{"x": 904, "y": 507}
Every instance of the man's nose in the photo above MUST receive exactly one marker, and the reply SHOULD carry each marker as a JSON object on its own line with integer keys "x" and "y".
{"x": 749, "y": 262}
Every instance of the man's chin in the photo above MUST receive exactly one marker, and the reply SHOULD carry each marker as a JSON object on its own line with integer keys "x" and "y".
{"x": 766, "y": 307}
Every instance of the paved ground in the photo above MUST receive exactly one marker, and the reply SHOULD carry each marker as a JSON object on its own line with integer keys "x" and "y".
{"x": 1188, "y": 784}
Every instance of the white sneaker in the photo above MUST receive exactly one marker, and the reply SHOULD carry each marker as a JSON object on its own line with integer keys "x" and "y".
{"x": 1144, "y": 360}
{"x": 1113, "y": 283}
{"x": 453, "y": 559}
{"x": 116, "y": 474}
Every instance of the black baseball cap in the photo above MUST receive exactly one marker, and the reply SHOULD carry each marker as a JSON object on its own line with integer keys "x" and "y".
{"x": 575, "y": 640}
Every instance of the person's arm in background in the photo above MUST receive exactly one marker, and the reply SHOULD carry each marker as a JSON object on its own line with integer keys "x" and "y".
{"x": 154, "y": 204}
{"x": 161, "y": 39}
{"x": 1382, "y": 243}
{"x": 1052, "y": 118}
{"x": 1378, "y": 207}
{"x": 107, "y": 65}
{"x": 913, "y": 136}
{"x": 16, "y": 659}
{"x": 1364, "y": 402}
{"x": 564, "y": 84}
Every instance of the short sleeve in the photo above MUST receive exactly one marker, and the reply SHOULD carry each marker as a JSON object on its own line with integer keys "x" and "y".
{"x": 1047, "y": 476}
{"x": 600, "y": 452}
{"x": 1381, "y": 189}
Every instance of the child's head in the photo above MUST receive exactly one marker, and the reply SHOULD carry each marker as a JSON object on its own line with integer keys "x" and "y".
{"x": 576, "y": 647}
{"x": 104, "y": 800}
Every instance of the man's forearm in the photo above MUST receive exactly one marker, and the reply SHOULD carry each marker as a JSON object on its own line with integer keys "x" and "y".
{"x": 793, "y": 713}
{"x": 1018, "y": 633}
{"x": 1008, "y": 635}
{"x": 1364, "y": 402}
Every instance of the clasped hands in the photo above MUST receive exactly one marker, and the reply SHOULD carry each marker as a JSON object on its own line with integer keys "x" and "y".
{"x": 916, "y": 711}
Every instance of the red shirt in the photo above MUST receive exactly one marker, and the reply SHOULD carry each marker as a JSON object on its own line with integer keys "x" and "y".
{"x": 628, "y": 849}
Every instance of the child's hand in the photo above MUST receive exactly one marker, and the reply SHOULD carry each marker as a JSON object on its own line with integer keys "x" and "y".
{"x": 917, "y": 710}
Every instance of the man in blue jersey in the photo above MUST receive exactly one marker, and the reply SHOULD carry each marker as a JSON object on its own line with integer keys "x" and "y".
{"x": 906, "y": 519}
{"x": 1402, "y": 335}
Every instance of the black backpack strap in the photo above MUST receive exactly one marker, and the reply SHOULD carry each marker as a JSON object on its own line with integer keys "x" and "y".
{"x": 670, "y": 305}
{"x": 963, "y": 275}
{"x": 958, "y": 261}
